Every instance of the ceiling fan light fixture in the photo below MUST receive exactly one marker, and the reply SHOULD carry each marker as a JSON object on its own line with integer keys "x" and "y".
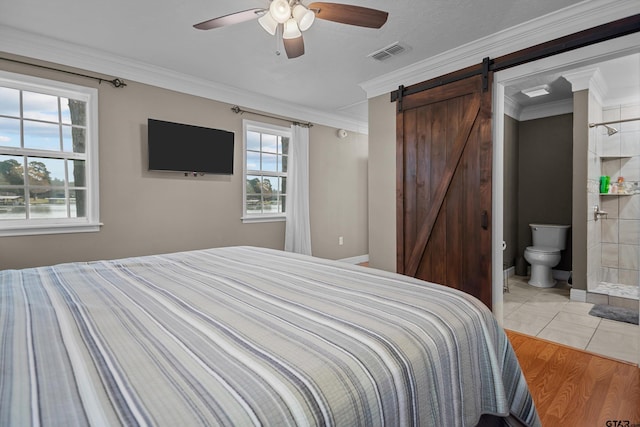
{"x": 291, "y": 30}
{"x": 268, "y": 23}
{"x": 280, "y": 10}
{"x": 286, "y": 19}
{"x": 303, "y": 16}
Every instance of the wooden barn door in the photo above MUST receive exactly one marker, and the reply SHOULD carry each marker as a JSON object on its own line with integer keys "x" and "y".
{"x": 444, "y": 160}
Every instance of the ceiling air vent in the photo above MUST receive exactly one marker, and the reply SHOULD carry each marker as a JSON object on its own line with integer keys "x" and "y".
{"x": 387, "y": 52}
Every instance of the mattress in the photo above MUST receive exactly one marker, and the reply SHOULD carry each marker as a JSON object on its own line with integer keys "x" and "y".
{"x": 242, "y": 336}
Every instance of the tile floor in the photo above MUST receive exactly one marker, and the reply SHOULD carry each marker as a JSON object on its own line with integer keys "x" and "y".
{"x": 551, "y": 315}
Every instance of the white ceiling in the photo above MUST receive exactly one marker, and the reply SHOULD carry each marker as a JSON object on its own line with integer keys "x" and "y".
{"x": 157, "y": 37}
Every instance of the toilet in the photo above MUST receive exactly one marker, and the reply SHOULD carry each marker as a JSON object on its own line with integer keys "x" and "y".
{"x": 548, "y": 241}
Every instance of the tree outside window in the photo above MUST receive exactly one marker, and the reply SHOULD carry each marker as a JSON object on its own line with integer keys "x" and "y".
{"x": 265, "y": 170}
{"x": 45, "y": 156}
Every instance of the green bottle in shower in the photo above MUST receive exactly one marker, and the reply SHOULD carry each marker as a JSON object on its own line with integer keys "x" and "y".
{"x": 604, "y": 184}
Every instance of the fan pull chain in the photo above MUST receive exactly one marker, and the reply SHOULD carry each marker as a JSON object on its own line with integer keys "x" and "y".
{"x": 278, "y": 38}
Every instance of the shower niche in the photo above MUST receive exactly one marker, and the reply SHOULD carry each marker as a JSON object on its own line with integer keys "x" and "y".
{"x": 620, "y": 185}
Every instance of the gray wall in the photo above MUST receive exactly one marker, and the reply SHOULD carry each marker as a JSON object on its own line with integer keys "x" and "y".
{"x": 382, "y": 183}
{"x": 510, "y": 165}
{"x": 545, "y": 165}
{"x": 152, "y": 212}
{"x": 338, "y": 179}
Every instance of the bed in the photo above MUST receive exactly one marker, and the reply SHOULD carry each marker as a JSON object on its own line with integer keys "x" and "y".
{"x": 242, "y": 336}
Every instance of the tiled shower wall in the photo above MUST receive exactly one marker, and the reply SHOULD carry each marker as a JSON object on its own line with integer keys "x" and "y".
{"x": 619, "y": 232}
{"x": 594, "y": 244}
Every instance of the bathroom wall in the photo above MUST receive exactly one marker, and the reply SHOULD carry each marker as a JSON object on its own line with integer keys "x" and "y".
{"x": 620, "y": 231}
{"x": 510, "y": 199}
{"x": 593, "y": 236}
{"x": 545, "y": 174}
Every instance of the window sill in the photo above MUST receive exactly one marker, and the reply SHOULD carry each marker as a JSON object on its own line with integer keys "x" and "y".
{"x": 264, "y": 218}
{"x": 33, "y": 230}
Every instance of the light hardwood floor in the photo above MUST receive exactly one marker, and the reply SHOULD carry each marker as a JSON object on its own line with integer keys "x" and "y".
{"x": 572, "y": 388}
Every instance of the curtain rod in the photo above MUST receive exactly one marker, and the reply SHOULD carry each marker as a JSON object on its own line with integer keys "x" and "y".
{"x": 115, "y": 82}
{"x": 239, "y": 110}
{"x": 591, "y": 125}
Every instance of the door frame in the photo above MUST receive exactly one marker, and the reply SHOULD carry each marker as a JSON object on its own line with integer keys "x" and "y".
{"x": 567, "y": 62}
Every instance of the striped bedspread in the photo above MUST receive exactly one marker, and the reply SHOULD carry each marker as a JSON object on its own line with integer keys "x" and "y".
{"x": 245, "y": 336}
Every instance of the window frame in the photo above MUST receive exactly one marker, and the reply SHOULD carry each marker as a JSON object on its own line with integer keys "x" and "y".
{"x": 271, "y": 129}
{"x": 91, "y": 222}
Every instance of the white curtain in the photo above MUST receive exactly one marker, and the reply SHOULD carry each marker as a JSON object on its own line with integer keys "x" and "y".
{"x": 298, "y": 229}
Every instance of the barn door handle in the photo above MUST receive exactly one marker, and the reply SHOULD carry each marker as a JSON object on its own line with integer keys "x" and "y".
{"x": 485, "y": 220}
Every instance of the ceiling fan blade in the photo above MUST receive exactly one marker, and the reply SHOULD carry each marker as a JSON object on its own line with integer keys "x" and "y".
{"x": 294, "y": 47}
{"x": 232, "y": 18}
{"x": 349, "y": 14}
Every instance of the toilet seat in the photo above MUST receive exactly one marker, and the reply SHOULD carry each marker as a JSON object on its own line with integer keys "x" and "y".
{"x": 542, "y": 249}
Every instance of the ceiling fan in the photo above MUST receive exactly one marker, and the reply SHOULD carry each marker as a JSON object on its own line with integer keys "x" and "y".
{"x": 288, "y": 18}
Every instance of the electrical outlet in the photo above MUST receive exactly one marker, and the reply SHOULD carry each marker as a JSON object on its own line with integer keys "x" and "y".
{"x": 340, "y": 241}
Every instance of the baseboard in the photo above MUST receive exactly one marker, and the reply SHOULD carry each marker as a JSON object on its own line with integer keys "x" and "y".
{"x": 356, "y": 259}
{"x": 557, "y": 274}
{"x": 579, "y": 295}
{"x": 509, "y": 272}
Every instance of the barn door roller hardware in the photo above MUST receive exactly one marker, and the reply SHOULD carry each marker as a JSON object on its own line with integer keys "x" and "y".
{"x": 485, "y": 74}
{"x": 482, "y": 69}
{"x": 601, "y": 33}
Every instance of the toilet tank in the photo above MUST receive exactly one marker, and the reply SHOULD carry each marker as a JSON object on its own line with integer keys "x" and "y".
{"x": 549, "y": 235}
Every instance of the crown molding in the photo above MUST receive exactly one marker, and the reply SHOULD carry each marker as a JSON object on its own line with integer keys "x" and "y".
{"x": 549, "y": 109}
{"x": 588, "y": 79}
{"x": 591, "y": 79}
{"x": 580, "y": 79}
{"x": 30, "y": 45}
{"x": 512, "y": 108}
{"x": 569, "y": 20}
{"x": 598, "y": 86}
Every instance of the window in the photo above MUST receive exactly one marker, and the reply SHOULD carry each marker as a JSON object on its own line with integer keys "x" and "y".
{"x": 266, "y": 149}
{"x": 48, "y": 156}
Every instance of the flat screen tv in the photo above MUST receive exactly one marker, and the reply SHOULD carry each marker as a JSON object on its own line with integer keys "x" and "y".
{"x": 187, "y": 148}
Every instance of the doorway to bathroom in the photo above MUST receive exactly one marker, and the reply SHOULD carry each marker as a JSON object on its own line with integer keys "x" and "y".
{"x": 602, "y": 249}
